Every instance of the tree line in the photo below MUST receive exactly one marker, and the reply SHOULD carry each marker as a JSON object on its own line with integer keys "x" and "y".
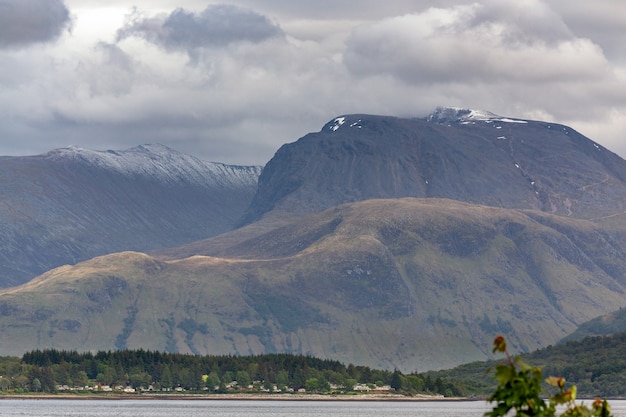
{"x": 47, "y": 370}
{"x": 596, "y": 365}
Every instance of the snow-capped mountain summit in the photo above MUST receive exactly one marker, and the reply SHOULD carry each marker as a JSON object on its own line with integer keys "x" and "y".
{"x": 162, "y": 163}
{"x": 72, "y": 204}
{"x": 461, "y": 115}
{"x": 455, "y": 153}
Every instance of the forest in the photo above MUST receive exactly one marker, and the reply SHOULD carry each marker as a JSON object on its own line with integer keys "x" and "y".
{"x": 52, "y": 371}
{"x": 595, "y": 364}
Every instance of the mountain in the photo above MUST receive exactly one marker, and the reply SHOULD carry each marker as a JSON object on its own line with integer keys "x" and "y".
{"x": 458, "y": 154}
{"x": 412, "y": 284}
{"x": 388, "y": 242}
{"x": 72, "y": 204}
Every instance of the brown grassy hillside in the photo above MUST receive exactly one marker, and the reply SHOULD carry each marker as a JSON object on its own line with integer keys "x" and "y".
{"x": 409, "y": 283}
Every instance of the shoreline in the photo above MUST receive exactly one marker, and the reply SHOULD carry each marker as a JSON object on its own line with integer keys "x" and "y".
{"x": 234, "y": 397}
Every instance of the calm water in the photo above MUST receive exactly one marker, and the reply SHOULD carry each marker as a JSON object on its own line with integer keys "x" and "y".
{"x": 197, "y": 408}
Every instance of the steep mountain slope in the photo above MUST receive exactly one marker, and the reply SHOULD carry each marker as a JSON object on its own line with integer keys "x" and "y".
{"x": 409, "y": 283}
{"x": 72, "y": 204}
{"x": 459, "y": 154}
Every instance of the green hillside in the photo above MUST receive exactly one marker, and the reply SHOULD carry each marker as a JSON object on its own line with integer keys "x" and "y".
{"x": 596, "y": 365}
{"x": 408, "y": 284}
{"x": 608, "y": 324}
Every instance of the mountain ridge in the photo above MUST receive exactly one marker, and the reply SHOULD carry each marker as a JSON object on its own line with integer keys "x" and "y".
{"x": 497, "y": 161}
{"x": 71, "y": 204}
{"x": 158, "y": 161}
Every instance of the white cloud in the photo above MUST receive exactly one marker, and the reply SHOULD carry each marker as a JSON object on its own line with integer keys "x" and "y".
{"x": 460, "y": 45}
{"x": 236, "y": 93}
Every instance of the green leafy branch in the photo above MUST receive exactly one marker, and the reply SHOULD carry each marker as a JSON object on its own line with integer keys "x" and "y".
{"x": 520, "y": 389}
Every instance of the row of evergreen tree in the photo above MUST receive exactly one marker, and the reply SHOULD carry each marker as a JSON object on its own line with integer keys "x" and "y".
{"x": 45, "y": 370}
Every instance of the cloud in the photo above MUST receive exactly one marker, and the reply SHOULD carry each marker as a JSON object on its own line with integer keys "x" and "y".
{"x": 217, "y": 25}
{"x": 604, "y": 22}
{"x": 109, "y": 71}
{"x": 27, "y": 22}
{"x": 525, "y": 22}
{"x": 255, "y": 84}
{"x": 237, "y": 107}
{"x": 479, "y": 42}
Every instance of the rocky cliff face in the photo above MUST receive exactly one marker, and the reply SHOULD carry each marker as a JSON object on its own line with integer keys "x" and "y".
{"x": 460, "y": 154}
{"x": 72, "y": 204}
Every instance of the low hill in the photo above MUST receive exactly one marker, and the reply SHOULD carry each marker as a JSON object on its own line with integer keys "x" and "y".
{"x": 594, "y": 364}
{"x": 73, "y": 204}
{"x": 413, "y": 284}
{"x": 605, "y": 325}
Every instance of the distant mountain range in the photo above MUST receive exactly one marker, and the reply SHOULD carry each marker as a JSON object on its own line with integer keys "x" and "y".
{"x": 389, "y": 242}
{"x": 73, "y": 204}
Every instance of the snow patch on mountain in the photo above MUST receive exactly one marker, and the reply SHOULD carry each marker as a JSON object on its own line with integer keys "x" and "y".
{"x": 460, "y": 115}
{"x": 353, "y": 121}
{"x": 336, "y": 124}
{"x": 163, "y": 164}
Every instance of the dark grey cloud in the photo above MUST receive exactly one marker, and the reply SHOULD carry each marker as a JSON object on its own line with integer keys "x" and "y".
{"x": 26, "y": 22}
{"x": 217, "y": 25}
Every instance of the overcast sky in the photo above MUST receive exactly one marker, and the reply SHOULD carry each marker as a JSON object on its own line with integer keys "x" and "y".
{"x": 232, "y": 81}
